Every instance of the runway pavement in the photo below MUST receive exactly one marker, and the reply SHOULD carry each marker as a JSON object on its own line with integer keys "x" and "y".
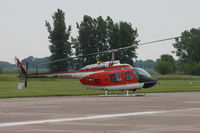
{"x": 152, "y": 113}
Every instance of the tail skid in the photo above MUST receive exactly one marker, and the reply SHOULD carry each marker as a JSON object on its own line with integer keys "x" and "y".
{"x": 22, "y": 74}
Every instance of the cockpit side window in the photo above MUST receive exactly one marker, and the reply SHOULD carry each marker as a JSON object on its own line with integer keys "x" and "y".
{"x": 114, "y": 77}
{"x": 128, "y": 75}
{"x": 135, "y": 73}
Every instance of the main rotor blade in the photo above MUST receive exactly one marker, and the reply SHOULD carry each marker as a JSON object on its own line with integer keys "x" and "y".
{"x": 109, "y": 51}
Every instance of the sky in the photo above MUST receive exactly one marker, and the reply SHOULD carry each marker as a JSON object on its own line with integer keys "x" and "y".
{"x": 23, "y": 32}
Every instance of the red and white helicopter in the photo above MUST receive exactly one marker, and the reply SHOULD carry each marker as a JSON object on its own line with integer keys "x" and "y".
{"x": 106, "y": 76}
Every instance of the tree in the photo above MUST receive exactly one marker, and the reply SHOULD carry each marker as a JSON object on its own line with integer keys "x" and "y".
{"x": 92, "y": 38}
{"x": 187, "y": 49}
{"x": 95, "y": 35}
{"x": 85, "y": 42}
{"x": 166, "y": 64}
{"x": 122, "y": 35}
{"x": 188, "y": 46}
{"x": 59, "y": 38}
{"x": 190, "y": 68}
{"x": 102, "y": 38}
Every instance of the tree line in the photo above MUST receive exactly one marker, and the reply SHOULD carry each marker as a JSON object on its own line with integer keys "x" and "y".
{"x": 94, "y": 35}
{"x": 33, "y": 61}
{"x": 99, "y": 34}
{"x": 188, "y": 50}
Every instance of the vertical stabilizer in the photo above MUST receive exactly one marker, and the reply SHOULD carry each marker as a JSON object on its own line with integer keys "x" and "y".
{"x": 22, "y": 74}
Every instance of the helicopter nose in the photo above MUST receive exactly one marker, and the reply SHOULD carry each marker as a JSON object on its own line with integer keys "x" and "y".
{"x": 150, "y": 83}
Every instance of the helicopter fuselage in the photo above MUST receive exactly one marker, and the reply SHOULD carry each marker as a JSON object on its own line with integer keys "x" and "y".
{"x": 106, "y": 76}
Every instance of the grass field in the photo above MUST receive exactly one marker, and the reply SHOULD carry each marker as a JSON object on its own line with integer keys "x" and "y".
{"x": 69, "y": 87}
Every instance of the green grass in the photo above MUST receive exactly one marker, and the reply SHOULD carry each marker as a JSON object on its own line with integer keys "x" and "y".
{"x": 70, "y": 87}
{"x": 42, "y": 87}
{"x": 175, "y": 83}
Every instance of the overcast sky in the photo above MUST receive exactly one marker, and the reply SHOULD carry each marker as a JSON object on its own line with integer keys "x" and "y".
{"x": 23, "y": 32}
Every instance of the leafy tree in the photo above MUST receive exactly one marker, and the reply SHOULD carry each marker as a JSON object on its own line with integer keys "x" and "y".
{"x": 102, "y": 38}
{"x": 188, "y": 46}
{"x": 95, "y": 35}
{"x": 164, "y": 67}
{"x": 190, "y": 68}
{"x": 92, "y": 37}
{"x": 86, "y": 42}
{"x": 187, "y": 49}
{"x": 166, "y": 64}
{"x": 59, "y": 38}
{"x": 122, "y": 35}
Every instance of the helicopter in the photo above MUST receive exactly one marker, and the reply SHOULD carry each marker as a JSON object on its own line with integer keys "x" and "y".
{"x": 105, "y": 76}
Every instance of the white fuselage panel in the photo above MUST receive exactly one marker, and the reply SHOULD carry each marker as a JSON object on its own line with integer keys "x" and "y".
{"x": 131, "y": 86}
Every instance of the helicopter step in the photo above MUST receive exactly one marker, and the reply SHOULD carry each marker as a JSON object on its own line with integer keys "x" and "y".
{"x": 121, "y": 95}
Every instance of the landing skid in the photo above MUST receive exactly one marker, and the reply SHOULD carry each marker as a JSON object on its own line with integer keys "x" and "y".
{"x": 121, "y": 95}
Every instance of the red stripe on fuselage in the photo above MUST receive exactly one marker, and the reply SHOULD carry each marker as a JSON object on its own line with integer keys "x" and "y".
{"x": 104, "y": 79}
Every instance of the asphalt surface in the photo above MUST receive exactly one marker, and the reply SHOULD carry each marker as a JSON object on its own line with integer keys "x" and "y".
{"x": 152, "y": 113}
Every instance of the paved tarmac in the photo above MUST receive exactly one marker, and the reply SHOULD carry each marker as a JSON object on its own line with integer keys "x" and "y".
{"x": 152, "y": 113}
